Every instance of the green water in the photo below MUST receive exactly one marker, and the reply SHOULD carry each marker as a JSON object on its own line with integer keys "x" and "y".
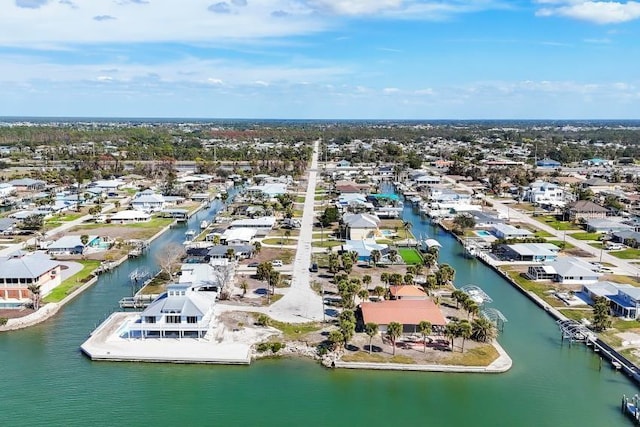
{"x": 47, "y": 381}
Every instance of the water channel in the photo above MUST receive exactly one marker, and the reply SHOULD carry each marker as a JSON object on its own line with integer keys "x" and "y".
{"x": 47, "y": 381}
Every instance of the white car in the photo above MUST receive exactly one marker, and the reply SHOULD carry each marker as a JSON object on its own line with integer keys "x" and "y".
{"x": 277, "y": 263}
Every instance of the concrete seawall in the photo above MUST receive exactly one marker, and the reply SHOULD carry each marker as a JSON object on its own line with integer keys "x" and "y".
{"x": 502, "y": 364}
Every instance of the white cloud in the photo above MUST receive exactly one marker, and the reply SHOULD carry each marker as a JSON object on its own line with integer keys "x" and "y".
{"x": 355, "y": 7}
{"x": 599, "y": 12}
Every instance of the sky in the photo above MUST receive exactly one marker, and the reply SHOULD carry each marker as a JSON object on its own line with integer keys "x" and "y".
{"x": 321, "y": 59}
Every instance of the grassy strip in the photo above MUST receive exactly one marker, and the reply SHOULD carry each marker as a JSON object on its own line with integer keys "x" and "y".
{"x": 279, "y": 241}
{"x": 552, "y": 221}
{"x": 577, "y": 315}
{"x": 410, "y": 256}
{"x": 73, "y": 282}
{"x": 479, "y": 356}
{"x": 326, "y": 244}
{"x": 362, "y": 356}
{"x": 537, "y": 288}
{"x": 586, "y": 236}
{"x": 561, "y": 244}
{"x": 626, "y": 253}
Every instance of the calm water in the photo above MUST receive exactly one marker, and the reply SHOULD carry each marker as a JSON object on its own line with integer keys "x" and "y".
{"x": 47, "y": 381}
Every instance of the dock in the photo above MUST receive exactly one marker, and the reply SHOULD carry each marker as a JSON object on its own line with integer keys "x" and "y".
{"x": 630, "y": 408}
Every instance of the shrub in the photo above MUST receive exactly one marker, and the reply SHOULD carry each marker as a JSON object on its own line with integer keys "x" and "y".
{"x": 276, "y": 346}
{"x": 3, "y": 321}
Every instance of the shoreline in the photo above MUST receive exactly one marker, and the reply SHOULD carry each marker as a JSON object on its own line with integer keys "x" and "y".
{"x": 51, "y": 309}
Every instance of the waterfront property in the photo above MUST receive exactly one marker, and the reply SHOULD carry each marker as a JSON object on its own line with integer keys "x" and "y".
{"x": 361, "y": 226}
{"x": 129, "y": 217}
{"x": 565, "y": 270}
{"x": 506, "y": 231}
{"x": 533, "y": 252}
{"x": 182, "y": 311}
{"x": 623, "y": 298}
{"x": 72, "y": 245}
{"x": 21, "y": 270}
{"x": 148, "y": 201}
{"x": 408, "y": 312}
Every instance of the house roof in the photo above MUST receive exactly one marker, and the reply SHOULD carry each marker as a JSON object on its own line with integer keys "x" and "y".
{"x": 6, "y": 223}
{"x": 404, "y": 311}
{"x": 573, "y": 267}
{"x": 511, "y": 230}
{"x": 361, "y": 220}
{"x": 70, "y": 242}
{"x": 218, "y": 250}
{"x": 539, "y": 249}
{"x": 364, "y": 247}
{"x": 192, "y": 304}
{"x": 264, "y": 221}
{"x": 25, "y": 182}
{"x": 407, "y": 291}
{"x": 587, "y": 206}
{"x": 606, "y": 288}
{"x": 26, "y": 265}
{"x": 130, "y": 215}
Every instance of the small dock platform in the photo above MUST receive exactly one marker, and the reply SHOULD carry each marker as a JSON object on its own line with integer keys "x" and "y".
{"x": 630, "y": 408}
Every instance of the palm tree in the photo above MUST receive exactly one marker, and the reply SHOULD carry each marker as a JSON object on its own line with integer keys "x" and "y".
{"x": 393, "y": 256}
{"x": 429, "y": 260}
{"x": 257, "y": 246}
{"x": 464, "y": 331}
{"x": 371, "y": 329}
{"x": 379, "y": 291}
{"x": 482, "y": 329}
{"x": 366, "y": 280}
{"x": 35, "y": 291}
{"x": 394, "y": 331}
{"x": 244, "y": 286}
{"x": 384, "y": 276}
{"x": 363, "y": 294}
{"x": 84, "y": 239}
{"x": 424, "y": 327}
{"x": 375, "y": 256}
{"x": 231, "y": 253}
{"x": 451, "y": 332}
{"x": 408, "y": 279}
{"x": 287, "y": 234}
{"x": 406, "y": 226}
{"x": 354, "y": 256}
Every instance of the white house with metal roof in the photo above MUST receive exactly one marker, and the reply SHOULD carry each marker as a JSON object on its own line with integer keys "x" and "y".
{"x": 183, "y": 311}
{"x": 72, "y": 245}
{"x": 565, "y": 270}
{"x": 361, "y": 226}
{"x": 535, "y": 252}
{"x": 624, "y": 299}
{"x": 506, "y": 231}
{"x": 148, "y": 201}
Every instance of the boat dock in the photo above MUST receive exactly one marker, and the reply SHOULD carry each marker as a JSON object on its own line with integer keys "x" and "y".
{"x": 631, "y": 409}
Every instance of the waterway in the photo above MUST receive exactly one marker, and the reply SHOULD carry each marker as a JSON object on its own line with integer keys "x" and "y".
{"x": 47, "y": 381}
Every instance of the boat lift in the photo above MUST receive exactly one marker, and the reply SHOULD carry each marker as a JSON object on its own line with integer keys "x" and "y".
{"x": 495, "y": 316}
{"x": 476, "y": 293}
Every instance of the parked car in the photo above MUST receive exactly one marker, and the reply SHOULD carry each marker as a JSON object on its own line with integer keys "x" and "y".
{"x": 253, "y": 264}
{"x": 277, "y": 263}
{"x": 313, "y": 268}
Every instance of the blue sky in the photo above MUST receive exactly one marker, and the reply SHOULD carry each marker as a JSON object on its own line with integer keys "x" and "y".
{"x": 340, "y": 59}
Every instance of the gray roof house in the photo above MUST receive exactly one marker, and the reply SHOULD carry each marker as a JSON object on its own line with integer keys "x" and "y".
{"x": 506, "y": 231}
{"x": 535, "y": 252}
{"x": 181, "y": 312}
{"x": 22, "y": 269}
{"x": 565, "y": 270}
{"x": 71, "y": 245}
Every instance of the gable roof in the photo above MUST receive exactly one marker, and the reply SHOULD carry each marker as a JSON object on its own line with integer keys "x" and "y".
{"x": 407, "y": 291}
{"x": 587, "y": 206}
{"x": 26, "y": 265}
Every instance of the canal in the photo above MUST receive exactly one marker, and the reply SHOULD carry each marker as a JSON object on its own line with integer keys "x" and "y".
{"x": 47, "y": 381}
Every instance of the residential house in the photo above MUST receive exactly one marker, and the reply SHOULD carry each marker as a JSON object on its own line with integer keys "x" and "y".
{"x": 607, "y": 225}
{"x": 565, "y": 270}
{"x": 183, "y": 311}
{"x": 238, "y": 236}
{"x": 6, "y": 190}
{"x": 129, "y": 217}
{"x": 343, "y": 164}
{"x": 627, "y": 237}
{"x": 533, "y": 252}
{"x": 28, "y": 184}
{"x": 72, "y": 245}
{"x": 408, "y": 312}
{"x": 262, "y": 224}
{"x": 364, "y": 248}
{"x": 148, "y": 201}
{"x": 548, "y": 163}
{"x": 624, "y": 299}
{"x": 267, "y": 191}
{"x": 586, "y": 209}
{"x": 361, "y": 226}
{"x": 407, "y": 292}
{"x": 545, "y": 193}
{"x": 20, "y": 270}
{"x": 239, "y": 251}
{"x": 7, "y": 225}
{"x": 506, "y": 231}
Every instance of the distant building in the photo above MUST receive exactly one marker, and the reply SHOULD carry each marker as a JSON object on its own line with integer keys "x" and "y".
{"x": 586, "y": 209}
{"x": 548, "y": 163}
{"x": 28, "y": 184}
{"x": 506, "y": 231}
{"x": 71, "y": 245}
{"x": 148, "y": 201}
{"x": 19, "y": 271}
{"x": 361, "y": 226}
{"x": 534, "y": 252}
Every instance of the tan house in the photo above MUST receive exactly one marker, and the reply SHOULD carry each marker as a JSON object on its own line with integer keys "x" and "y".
{"x": 361, "y": 226}
{"x": 21, "y": 270}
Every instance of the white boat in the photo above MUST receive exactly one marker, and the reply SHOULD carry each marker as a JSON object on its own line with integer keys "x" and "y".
{"x": 190, "y": 234}
{"x": 204, "y": 224}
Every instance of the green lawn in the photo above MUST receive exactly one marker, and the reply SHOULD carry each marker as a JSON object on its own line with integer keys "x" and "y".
{"x": 577, "y": 315}
{"x": 586, "y": 236}
{"x": 537, "y": 288}
{"x": 326, "y": 244}
{"x": 552, "y": 221}
{"x": 561, "y": 244}
{"x": 279, "y": 241}
{"x": 626, "y": 253}
{"x": 542, "y": 233}
{"x": 410, "y": 256}
{"x": 597, "y": 245}
{"x": 73, "y": 282}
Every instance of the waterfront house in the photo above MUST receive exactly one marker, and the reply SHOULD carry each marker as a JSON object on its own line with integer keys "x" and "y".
{"x": 267, "y": 191}
{"x": 629, "y": 238}
{"x": 485, "y": 219}
{"x": 6, "y": 190}
{"x": 565, "y": 270}
{"x": 506, "y": 231}
{"x": 28, "y": 184}
{"x": 183, "y": 311}
{"x": 222, "y": 251}
{"x": 533, "y": 252}
{"x": 586, "y": 209}
{"x": 22, "y": 269}
{"x": 72, "y": 245}
{"x": 361, "y": 226}
{"x": 238, "y": 236}
{"x": 148, "y": 201}
{"x": 129, "y": 217}
{"x": 264, "y": 223}
{"x": 548, "y": 163}
{"x": 408, "y": 312}
{"x": 624, "y": 299}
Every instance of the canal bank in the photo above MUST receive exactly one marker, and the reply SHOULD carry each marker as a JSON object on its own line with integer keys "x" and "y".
{"x": 550, "y": 384}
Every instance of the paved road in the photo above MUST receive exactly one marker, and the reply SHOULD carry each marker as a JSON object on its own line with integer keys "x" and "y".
{"x": 301, "y": 302}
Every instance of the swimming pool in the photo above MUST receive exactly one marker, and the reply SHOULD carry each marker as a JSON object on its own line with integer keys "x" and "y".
{"x": 388, "y": 233}
{"x": 483, "y": 233}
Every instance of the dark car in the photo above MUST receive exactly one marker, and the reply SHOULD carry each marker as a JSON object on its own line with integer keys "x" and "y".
{"x": 253, "y": 264}
{"x": 313, "y": 268}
